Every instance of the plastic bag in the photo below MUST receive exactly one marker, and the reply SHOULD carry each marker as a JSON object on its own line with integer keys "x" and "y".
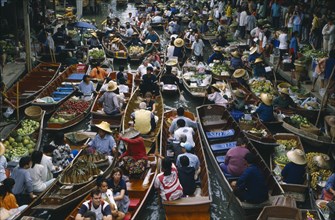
{"x": 8, "y": 112}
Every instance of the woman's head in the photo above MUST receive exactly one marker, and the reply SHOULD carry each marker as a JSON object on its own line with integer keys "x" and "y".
{"x": 59, "y": 139}
{"x": 103, "y": 185}
{"x": 148, "y": 96}
{"x": 117, "y": 174}
{"x": 86, "y": 78}
{"x": 6, "y": 187}
{"x": 166, "y": 166}
{"x": 36, "y": 157}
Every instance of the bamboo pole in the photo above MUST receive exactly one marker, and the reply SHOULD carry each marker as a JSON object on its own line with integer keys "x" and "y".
{"x": 17, "y": 101}
{"x": 324, "y": 96}
{"x": 27, "y": 34}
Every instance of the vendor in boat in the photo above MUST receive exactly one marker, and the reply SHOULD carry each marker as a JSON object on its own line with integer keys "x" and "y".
{"x": 236, "y": 61}
{"x": 150, "y": 102}
{"x": 119, "y": 189}
{"x": 241, "y": 76}
{"x": 152, "y": 35}
{"x": 180, "y": 115}
{"x": 179, "y": 49}
{"x": 115, "y": 44}
{"x": 97, "y": 205}
{"x": 121, "y": 76}
{"x": 62, "y": 154}
{"x": 216, "y": 95}
{"x": 251, "y": 185}
{"x": 217, "y": 55}
{"x": 253, "y": 55}
{"x": 134, "y": 41}
{"x": 167, "y": 182}
{"x": 284, "y": 100}
{"x": 103, "y": 142}
{"x": 134, "y": 160}
{"x": 259, "y": 70}
{"x": 93, "y": 41}
{"x": 186, "y": 174}
{"x": 98, "y": 73}
{"x": 107, "y": 195}
{"x": 221, "y": 41}
{"x": 234, "y": 162}
{"x": 168, "y": 78}
{"x": 144, "y": 120}
{"x": 149, "y": 47}
{"x": 294, "y": 172}
{"x": 149, "y": 82}
{"x": 265, "y": 109}
{"x": 86, "y": 87}
{"x": 109, "y": 99}
{"x": 239, "y": 102}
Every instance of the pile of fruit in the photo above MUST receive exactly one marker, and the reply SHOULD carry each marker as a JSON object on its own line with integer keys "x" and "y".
{"x": 308, "y": 51}
{"x": 261, "y": 86}
{"x": 70, "y": 109}
{"x": 96, "y": 53}
{"x": 81, "y": 172}
{"x": 298, "y": 121}
{"x": 134, "y": 50}
{"x": 258, "y": 132}
{"x": 94, "y": 158}
{"x": 280, "y": 157}
{"x": 28, "y": 127}
{"x": 315, "y": 171}
{"x": 220, "y": 69}
{"x": 18, "y": 146}
{"x": 289, "y": 144}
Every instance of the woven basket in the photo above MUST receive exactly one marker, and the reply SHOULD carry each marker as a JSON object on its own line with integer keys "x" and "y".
{"x": 33, "y": 112}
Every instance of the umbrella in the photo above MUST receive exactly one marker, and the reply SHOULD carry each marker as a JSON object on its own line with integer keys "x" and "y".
{"x": 84, "y": 25}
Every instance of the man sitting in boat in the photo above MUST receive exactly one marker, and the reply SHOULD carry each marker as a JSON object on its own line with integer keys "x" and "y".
{"x": 115, "y": 44}
{"x": 186, "y": 175}
{"x": 284, "y": 101}
{"x": 294, "y": 172}
{"x": 100, "y": 207}
{"x": 216, "y": 95}
{"x": 152, "y": 35}
{"x": 253, "y": 55}
{"x": 251, "y": 185}
{"x": 98, "y": 73}
{"x": 180, "y": 115}
{"x": 188, "y": 131}
{"x": 149, "y": 82}
{"x": 187, "y": 149}
{"x": 134, "y": 41}
{"x": 109, "y": 99}
{"x": 86, "y": 87}
{"x": 217, "y": 55}
{"x": 259, "y": 70}
{"x": 236, "y": 61}
{"x": 169, "y": 80}
{"x": 239, "y": 102}
{"x": 142, "y": 69}
{"x": 234, "y": 162}
{"x": 265, "y": 109}
{"x": 242, "y": 76}
{"x": 129, "y": 30}
{"x": 144, "y": 120}
{"x": 135, "y": 158}
{"x": 93, "y": 41}
{"x": 103, "y": 142}
{"x": 121, "y": 76}
{"x": 149, "y": 47}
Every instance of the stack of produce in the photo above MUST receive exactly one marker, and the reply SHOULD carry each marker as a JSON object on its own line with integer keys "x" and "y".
{"x": 299, "y": 121}
{"x": 219, "y": 69}
{"x": 96, "y": 54}
{"x": 135, "y": 50}
{"x": 70, "y": 109}
{"x": 280, "y": 157}
{"x": 8, "y": 48}
{"x": 261, "y": 86}
{"x": 308, "y": 52}
{"x": 316, "y": 172}
{"x": 81, "y": 172}
{"x": 28, "y": 127}
{"x": 18, "y": 146}
{"x": 94, "y": 158}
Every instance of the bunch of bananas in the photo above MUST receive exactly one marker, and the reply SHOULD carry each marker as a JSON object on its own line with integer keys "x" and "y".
{"x": 315, "y": 171}
{"x": 289, "y": 144}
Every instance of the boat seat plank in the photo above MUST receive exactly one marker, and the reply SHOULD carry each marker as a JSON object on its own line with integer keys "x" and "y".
{"x": 217, "y": 122}
{"x": 220, "y": 159}
{"x": 220, "y": 134}
{"x": 187, "y": 201}
{"x": 127, "y": 216}
{"x": 222, "y": 147}
{"x": 134, "y": 203}
{"x": 76, "y": 76}
{"x": 136, "y": 185}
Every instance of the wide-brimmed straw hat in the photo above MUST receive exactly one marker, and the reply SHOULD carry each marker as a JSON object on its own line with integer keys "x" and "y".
{"x": 266, "y": 98}
{"x": 330, "y": 120}
{"x": 2, "y": 148}
{"x": 94, "y": 34}
{"x": 284, "y": 91}
{"x": 130, "y": 133}
{"x": 135, "y": 34}
{"x": 210, "y": 18}
{"x": 105, "y": 126}
{"x": 216, "y": 87}
{"x": 239, "y": 93}
{"x": 235, "y": 54}
{"x": 112, "y": 86}
{"x": 148, "y": 41}
{"x": 171, "y": 62}
{"x": 239, "y": 73}
{"x": 178, "y": 42}
{"x": 297, "y": 156}
{"x": 322, "y": 161}
{"x": 219, "y": 86}
{"x": 216, "y": 48}
{"x": 116, "y": 40}
{"x": 258, "y": 60}
{"x": 253, "y": 50}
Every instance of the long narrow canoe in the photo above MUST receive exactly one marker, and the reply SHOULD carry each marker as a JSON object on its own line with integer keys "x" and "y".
{"x": 33, "y": 83}
{"x": 133, "y": 104}
{"x": 61, "y": 88}
{"x": 220, "y": 132}
{"x": 121, "y": 54}
{"x": 193, "y": 207}
{"x": 296, "y": 191}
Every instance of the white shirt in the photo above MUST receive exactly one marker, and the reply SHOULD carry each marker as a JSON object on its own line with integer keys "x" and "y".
{"x": 170, "y": 50}
{"x": 48, "y": 166}
{"x": 188, "y": 131}
{"x": 123, "y": 89}
{"x": 129, "y": 32}
{"x": 217, "y": 98}
{"x": 243, "y": 18}
{"x": 283, "y": 45}
{"x": 3, "y": 166}
{"x": 198, "y": 47}
{"x": 38, "y": 176}
{"x": 108, "y": 197}
{"x": 157, "y": 19}
{"x": 143, "y": 69}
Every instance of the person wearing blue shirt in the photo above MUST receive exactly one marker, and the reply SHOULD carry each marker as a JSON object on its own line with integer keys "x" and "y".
{"x": 275, "y": 12}
{"x": 236, "y": 61}
{"x": 180, "y": 115}
{"x": 86, "y": 86}
{"x": 294, "y": 46}
{"x": 251, "y": 185}
{"x": 253, "y": 55}
{"x": 152, "y": 36}
{"x": 330, "y": 63}
{"x": 103, "y": 142}
{"x": 258, "y": 69}
{"x": 294, "y": 172}
{"x": 265, "y": 109}
{"x": 217, "y": 55}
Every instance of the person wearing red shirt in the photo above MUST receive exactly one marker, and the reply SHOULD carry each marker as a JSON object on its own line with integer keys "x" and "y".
{"x": 135, "y": 158}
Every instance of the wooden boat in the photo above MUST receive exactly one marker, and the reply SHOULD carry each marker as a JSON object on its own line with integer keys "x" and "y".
{"x": 216, "y": 122}
{"x": 36, "y": 136}
{"x": 121, "y": 2}
{"x": 193, "y": 207}
{"x": 133, "y": 104}
{"x": 258, "y": 133}
{"x": 296, "y": 191}
{"x": 96, "y": 111}
{"x": 61, "y": 88}
{"x": 121, "y": 54}
{"x": 313, "y": 135}
{"x": 191, "y": 78}
{"x": 33, "y": 83}
{"x": 280, "y": 212}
